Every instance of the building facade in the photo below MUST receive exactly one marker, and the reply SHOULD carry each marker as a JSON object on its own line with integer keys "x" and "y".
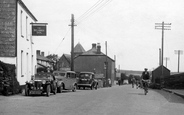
{"x": 157, "y": 74}
{"x": 16, "y": 43}
{"x": 95, "y": 61}
{"x": 64, "y": 63}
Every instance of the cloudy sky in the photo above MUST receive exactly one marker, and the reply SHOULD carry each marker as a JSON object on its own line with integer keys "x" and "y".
{"x": 128, "y": 26}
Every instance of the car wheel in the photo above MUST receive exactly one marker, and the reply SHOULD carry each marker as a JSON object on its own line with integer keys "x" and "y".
{"x": 91, "y": 87}
{"x": 48, "y": 90}
{"x": 26, "y": 90}
{"x": 60, "y": 89}
{"x": 96, "y": 87}
{"x": 55, "y": 90}
{"x": 74, "y": 88}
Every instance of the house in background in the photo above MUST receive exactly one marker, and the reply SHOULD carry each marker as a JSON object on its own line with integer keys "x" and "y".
{"x": 65, "y": 60}
{"x": 94, "y": 60}
{"x": 43, "y": 63}
{"x": 16, "y": 44}
{"x": 157, "y": 74}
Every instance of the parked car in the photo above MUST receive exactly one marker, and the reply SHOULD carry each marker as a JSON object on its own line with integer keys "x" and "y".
{"x": 66, "y": 80}
{"x": 87, "y": 79}
{"x": 40, "y": 84}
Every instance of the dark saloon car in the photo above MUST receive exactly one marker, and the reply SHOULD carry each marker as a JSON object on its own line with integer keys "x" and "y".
{"x": 43, "y": 83}
{"x": 87, "y": 79}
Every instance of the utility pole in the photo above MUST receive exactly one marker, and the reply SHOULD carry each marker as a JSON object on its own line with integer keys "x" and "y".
{"x": 162, "y": 26}
{"x": 160, "y": 52}
{"x": 72, "y": 42}
{"x": 106, "y": 62}
{"x": 179, "y": 52}
{"x": 166, "y": 58}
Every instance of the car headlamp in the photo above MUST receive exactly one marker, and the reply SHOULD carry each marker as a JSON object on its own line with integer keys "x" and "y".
{"x": 43, "y": 82}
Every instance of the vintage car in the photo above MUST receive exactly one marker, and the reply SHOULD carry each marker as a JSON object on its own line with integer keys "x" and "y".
{"x": 42, "y": 83}
{"x": 87, "y": 79}
{"x": 66, "y": 80}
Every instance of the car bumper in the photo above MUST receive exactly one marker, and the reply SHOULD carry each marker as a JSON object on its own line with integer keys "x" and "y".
{"x": 84, "y": 85}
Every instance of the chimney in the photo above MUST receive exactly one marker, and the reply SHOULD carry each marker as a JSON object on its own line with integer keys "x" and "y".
{"x": 42, "y": 53}
{"x": 93, "y": 45}
{"x": 98, "y": 48}
{"x": 38, "y": 52}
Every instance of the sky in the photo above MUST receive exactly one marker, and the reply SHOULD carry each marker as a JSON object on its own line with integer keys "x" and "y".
{"x": 128, "y": 26}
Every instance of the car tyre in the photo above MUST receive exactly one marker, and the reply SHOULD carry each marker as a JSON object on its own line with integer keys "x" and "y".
{"x": 91, "y": 87}
{"x": 74, "y": 88}
{"x": 55, "y": 90}
{"x": 48, "y": 90}
{"x": 60, "y": 89}
{"x": 26, "y": 90}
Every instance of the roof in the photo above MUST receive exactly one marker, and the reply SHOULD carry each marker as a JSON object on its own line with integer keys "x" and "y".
{"x": 87, "y": 72}
{"x": 79, "y": 48}
{"x": 160, "y": 67}
{"x": 39, "y": 57}
{"x": 92, "y": 51}
{"x": 68, "y": 57}
{"x": 27, "y": 10}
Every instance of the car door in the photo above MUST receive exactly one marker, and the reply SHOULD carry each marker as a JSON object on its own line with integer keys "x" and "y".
{"x": 67, "y": 81}
{"x": 73, "y": 79}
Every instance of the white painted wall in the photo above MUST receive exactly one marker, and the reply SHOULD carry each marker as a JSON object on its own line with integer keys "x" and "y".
{"x": 26, "y": 54}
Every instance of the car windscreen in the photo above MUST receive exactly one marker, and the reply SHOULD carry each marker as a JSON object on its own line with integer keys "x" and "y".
{"x": 42, "y": 76}
{"x": 84, "y": 76}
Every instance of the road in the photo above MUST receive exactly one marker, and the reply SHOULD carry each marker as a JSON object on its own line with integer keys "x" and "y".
{"x": 116, "y": 100}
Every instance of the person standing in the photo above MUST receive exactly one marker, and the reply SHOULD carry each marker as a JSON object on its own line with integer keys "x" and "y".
{"x": 133, "y": 81}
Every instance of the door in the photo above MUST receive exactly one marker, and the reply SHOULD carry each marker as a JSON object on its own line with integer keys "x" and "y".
{"x": 67, "y": 81}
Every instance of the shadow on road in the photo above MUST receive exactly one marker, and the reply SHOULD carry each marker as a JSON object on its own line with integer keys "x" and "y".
{"x": 136, "y": 93}
{"x": 170, "y": 97}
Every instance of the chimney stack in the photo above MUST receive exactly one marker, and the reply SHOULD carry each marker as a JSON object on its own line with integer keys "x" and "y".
{"x": 38, "y": 52}
{"x": 42, "y": 53}
{"x": 98, "y": 48}
{"x": 93, "y": 45}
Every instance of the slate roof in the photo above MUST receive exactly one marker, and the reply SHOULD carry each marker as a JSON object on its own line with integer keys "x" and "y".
{"x": 40, "y": 57}
{"x": 79, "y": 48}
{"x": 68, "y": 57}
{"x": 92, "y": 51}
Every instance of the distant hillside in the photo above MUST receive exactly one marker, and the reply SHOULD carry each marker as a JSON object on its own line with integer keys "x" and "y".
{"x": 134, "y": 72}
{"x": 131, "y": 72}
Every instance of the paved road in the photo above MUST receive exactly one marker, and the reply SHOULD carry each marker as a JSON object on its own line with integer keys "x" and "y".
{"x": 117, "y": 100}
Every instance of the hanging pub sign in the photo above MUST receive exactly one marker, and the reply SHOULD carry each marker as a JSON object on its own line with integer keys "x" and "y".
{"x": 39, "y": 29}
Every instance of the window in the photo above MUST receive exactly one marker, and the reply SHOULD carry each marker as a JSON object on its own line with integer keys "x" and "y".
{"x": 21, "y": 23}
{"x": 27, "y": 28}
{"x": 22, "y": 63}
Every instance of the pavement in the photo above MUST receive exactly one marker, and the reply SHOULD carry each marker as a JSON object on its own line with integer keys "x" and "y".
{"x": 179, "y": 92}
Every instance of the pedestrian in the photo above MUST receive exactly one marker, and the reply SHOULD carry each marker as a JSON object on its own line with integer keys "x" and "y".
{"x": 133, "y": 81}
{"x": 110, "y": 84}
{"x": 119, "y": 82}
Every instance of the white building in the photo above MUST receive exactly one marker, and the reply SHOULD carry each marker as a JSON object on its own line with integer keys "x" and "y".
{"x": 16, "y": 43}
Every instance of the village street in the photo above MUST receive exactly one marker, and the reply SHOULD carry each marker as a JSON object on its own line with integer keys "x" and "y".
{"x": 116, "y": 100}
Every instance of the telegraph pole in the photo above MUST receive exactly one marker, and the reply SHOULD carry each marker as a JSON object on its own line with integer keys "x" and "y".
{"x": 106, "y": 62}
{"x": 179, "y": 52}
{"x": 166, "y": 58}
{"x": 162, "y": 26}
{"x": 72, "y": 42}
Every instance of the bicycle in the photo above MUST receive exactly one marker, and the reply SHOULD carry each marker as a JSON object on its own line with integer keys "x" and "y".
{"x": 145, "y": 86}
